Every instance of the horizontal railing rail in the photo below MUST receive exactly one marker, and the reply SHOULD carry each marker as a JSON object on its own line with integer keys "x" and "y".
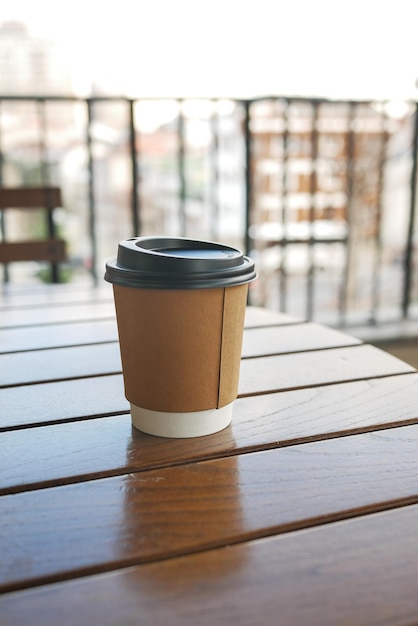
{"x": 321, "y": 192}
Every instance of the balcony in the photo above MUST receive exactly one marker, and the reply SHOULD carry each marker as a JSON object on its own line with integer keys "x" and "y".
{"x": 321, "y": 193}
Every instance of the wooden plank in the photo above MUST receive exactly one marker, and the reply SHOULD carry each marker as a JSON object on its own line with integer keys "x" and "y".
{"x": 46, "y": 197}
{"x": 292, "y": 371}
{"x": 42, "y": 315}
{"x": 74, "y": 399}
{"x": 34, "y": 295}
{"x": 39, "y": 295}
{"x": 76, "y": 309}
{"x": 367, "y": 575}
{"x": 53, "y": 250}
{"x": 258, "y": 316}
{"x": 98, "y": 525}
{"x": 98, "y": 447}
{"x": 104, "y": 395}
{"x": 47, "y": 365}
{"x": 258, "y": 375}
{"x": 257, "y": 341}
{"x": 293, "y": 338}
{"x": 57, "y": 335}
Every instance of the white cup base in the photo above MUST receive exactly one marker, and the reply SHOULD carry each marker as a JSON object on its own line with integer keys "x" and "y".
{"x": 181, "y": 425}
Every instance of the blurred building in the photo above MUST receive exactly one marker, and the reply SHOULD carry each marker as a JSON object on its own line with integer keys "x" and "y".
{"x": 319, "y": 163}
{"x": 30, "y": 65}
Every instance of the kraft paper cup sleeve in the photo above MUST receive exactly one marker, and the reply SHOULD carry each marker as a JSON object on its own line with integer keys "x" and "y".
{"x": 180, "y": 350}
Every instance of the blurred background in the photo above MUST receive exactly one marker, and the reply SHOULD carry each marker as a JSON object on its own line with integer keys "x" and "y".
{"x": 287, "y": 128}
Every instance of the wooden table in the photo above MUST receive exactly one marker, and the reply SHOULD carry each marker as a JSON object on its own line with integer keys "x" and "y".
{"x": 304, "y": 511}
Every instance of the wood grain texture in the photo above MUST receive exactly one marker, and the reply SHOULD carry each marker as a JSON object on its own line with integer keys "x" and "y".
{"x": 110, "y": 446}
{"x": 257, "y": 316}
{"x": 71, "y": 399}
{"x": 292, "y": 371}
{"x": 51, "y": 402}
{"x": 102, "y": 524}
{"x": 11, "y": 318}
{"x": 104, "y": 395}
{"x": 72, "y": 333}
{"x": 293, "y": 338}
{"x": 303, "y": 511}
{"x": 34, "y": 295}
{"x": 47, "y": 365}
{"x": 367, "y": 576}
{"x": 99, "y": 359}
{"x": 257, "y": 340}
{"x": 25, "y": 338}
{"x": 21, "y": 310}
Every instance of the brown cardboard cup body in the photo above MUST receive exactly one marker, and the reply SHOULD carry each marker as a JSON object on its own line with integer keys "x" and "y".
{"x": 180, "y": 353}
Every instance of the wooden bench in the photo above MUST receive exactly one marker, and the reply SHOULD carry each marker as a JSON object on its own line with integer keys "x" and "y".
{"x": 51, "y": 249}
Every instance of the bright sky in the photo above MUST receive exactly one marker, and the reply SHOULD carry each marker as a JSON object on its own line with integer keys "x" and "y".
{"x": 332, "y": 48}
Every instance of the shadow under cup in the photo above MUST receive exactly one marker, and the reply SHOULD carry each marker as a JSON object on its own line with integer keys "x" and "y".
{"x": 180, "y": 306}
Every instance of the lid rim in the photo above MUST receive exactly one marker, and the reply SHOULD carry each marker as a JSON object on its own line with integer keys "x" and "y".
{"x": 139, "y": 264}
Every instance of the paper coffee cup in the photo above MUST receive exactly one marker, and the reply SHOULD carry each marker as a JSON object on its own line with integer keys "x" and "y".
{"x": 180, "y": 307}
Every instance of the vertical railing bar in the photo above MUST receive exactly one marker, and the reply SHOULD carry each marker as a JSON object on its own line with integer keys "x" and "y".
{"x": 91, "y": 190}
{"x": 409, "y": 248}
{"x": 45, "y": 176}
{"x": 377, "y": 262}
{"x": 41, "y": 112}
{"x": 215, "y": 171}
{"x": 181, "y": 170}
{"x": 312, "y": 212}
{"x": 1, "y": 143}
{"x": 135, "y": 202}
{"x": 6, "y": 273}
{"x": 248, "y": 168}
{"x": 348, "y": 241}
{"x": 283, "y": 276}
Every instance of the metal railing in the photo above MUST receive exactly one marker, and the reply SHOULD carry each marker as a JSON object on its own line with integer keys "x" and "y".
{"x": 322, "y": 193}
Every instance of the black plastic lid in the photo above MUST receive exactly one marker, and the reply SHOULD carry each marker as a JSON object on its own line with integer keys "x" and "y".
{"x": 178, "y": 263}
